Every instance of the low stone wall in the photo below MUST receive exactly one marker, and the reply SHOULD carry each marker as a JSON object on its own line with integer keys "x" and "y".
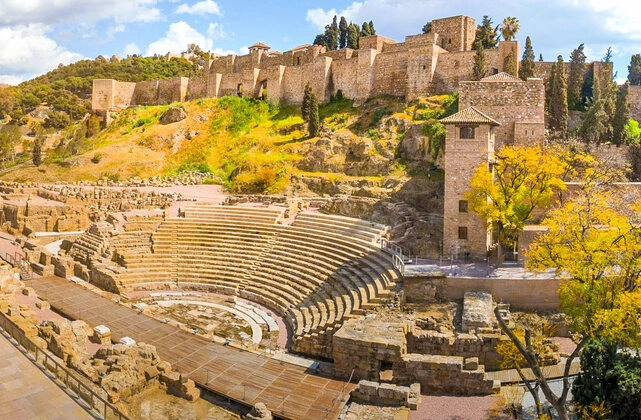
{"x": 452, "y": 375}
{"x": 387, "y": 394}
{"x": 520, "y": 293}
{"x": 482, "y": 346}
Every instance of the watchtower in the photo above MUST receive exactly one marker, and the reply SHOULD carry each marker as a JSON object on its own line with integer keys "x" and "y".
{"x": 469, "y": 142}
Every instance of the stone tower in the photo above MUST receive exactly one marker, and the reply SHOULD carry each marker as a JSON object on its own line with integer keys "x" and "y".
{"x": 469, "y": 142}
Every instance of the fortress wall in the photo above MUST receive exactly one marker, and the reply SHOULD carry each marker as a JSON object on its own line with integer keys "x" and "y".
{"x": 395, "y": 48}
{"x": 102, "y": 94}
{"x": 271, "y": 79}
{"x": 109, "y": 94}
{"x": 229, "y": 84}
{"x": 456, "y": 33}
{"x": 634, "y": 100}
{"x": 343, "y": 72}
{"x": 223, "y": 65}
{"x": 390, "y": 74}
{"x": 342, "y": 54}
{"x": 506, "y": 102}
{"x": 419, "y": 71}
{"x": 123, "y": 95}
{"x": 146, "y": 93}
{"x": 246, "y": 62}
{"x": 455, "y": 67}
{"x": 375, "y": 42}
{"x": 295, "y": 78}
{"x": 196, "y": 88}
{"x": 172, "y": 90}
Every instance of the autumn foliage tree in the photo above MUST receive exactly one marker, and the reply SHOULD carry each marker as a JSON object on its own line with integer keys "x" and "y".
{"x": 593, "y": 243}
{"x": 522, "y": 180}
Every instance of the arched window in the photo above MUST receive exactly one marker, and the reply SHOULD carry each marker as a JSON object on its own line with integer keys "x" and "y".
{"x": 467, "y": 132}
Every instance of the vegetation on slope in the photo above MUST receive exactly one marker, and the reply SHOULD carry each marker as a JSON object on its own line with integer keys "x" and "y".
{"x": 251, "y": 146}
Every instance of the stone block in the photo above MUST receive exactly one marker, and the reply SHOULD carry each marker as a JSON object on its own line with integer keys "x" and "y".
{"x": 28, "y": 291}
{"x": 43, "y": 305}
{"x": 368, "y": 387}
{"x": 471, "y": 363}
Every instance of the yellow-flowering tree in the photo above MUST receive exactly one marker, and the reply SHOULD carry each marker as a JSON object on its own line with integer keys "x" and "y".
{"x": 521, "y": 180}
{"x": 594, "y": 245}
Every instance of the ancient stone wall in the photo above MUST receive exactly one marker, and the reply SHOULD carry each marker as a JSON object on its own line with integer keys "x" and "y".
{"x": 453, "y": 68}
{"x": 634, "y": 101}
{"x": 457, "y": 33}
{"x": 482, "y": 346}
{"x": 390, "y": 74}
{"x": 377, "y": 351}
{"x": 539, "y": 294}
{"x": 508, "y": 102}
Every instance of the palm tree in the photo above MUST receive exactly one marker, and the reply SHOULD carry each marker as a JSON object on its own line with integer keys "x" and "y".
{"x": 509, "y": 28}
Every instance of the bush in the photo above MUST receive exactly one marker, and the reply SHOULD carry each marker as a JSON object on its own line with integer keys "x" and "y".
{"x": 96, "y": 158}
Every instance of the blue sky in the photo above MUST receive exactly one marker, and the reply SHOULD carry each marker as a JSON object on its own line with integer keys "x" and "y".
{"x": 37, "y": 35}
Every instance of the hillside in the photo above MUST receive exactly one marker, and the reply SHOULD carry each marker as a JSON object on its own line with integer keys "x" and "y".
{"x": 252, "y": 146}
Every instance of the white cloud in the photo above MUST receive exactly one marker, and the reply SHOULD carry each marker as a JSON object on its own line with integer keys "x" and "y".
{"x": 15, "y": 12}
{"x": 215, "y": 31}
{"x": 320, "y": 18}
{"x": 620, "y": 18}
{"x": 27, "y": 51}
{"x": 131, "y": 49}
{"x": 202, "y": 7}
{"x": 177, "y": 38}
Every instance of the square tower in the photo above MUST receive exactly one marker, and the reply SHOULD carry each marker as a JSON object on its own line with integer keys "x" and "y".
{"x": 469, "y": 143}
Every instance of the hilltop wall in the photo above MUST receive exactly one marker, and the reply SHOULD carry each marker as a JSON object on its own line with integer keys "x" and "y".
{"x": 424, "y": 64}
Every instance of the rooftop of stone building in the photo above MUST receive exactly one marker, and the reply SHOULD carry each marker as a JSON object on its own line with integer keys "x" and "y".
{"x": 469, "y": 115}
{"x": 501, "y": 77}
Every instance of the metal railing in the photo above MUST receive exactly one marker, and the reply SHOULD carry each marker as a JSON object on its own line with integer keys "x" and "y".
{"x": 66, "y": 378}
{"x": 399, "y": 255}
{"x": 17, "y": 260}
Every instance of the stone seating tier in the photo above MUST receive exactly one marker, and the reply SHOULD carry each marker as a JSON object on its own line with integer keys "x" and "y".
{"x": 313, "y": 276}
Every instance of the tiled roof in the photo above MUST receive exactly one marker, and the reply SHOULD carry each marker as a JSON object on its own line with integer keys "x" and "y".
{"x": 259, "y": 45}
{"x": 501, "y": 77}
{"x": 469, "y": 115}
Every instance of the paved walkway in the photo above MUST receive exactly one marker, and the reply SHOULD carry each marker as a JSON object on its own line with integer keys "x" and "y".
{"x": 291, "y": 391}
{"x": 27, "y": 393}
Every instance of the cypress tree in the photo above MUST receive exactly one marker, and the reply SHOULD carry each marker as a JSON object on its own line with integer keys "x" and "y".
{"x": 480, "y": 62}
{"x": 540, "y": 57}
{"x": 37, "y": 150}
{"x": 621, "y": 116}
{"x": 486, "y": 34}
{"x": 305, "y": 108}
{"x": 634, "y": 70}
{"x": 342, "y": 37}
{"x": 313, "y": 125}
{"x": 558, "y": 99}
{"x": 575, "y": 78}
{"x": 372, "y": 31}
{"x": 352, "y": 36}
{"x": 509, "y": 64}
{"x": 527, "y": 61}
{"x": 365, "y": 29}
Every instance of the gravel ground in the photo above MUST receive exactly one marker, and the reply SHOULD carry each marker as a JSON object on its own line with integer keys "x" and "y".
{"x": 433, "y": 407}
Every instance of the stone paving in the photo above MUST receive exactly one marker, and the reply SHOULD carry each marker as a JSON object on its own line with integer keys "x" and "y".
{"x": 27, "y": 393}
